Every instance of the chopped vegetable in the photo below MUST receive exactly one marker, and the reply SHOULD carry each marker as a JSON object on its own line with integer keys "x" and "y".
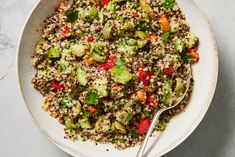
{"x": 141, "y": 95}
{"x": 119, "y": 62}
{"x": 53, "y": 53}
{"x": 92, "y": 98}
{"x": 85, "y": 123}
{"x": 91, "y": 109}
{"x": 98, "y": 52}
{"x": 143, "y": 126}
{"x": 81, "y": 76}
{"x": 78, "y": 50}
{"x": 72, "y": 15}
{"x": 57, "y": 86}
{"x": 165, "y": 24}
{"x": 110, "y": 63}
{"x": 101, "y": 86}
{"x": 169, "y": 4}
{"x": 121, "y": 74}
{"x": 107, "y": 29}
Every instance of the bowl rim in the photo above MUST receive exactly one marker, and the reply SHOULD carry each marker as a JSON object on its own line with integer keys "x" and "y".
{"x": 178, "y": 141}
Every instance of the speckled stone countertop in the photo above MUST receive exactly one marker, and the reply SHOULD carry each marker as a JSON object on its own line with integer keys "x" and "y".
{"x": 215, "y": 136}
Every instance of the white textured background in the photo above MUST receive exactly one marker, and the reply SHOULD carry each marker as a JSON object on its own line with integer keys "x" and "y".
{"x": 215, "y": 136}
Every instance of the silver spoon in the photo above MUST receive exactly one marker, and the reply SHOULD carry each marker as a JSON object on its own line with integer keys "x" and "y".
{"x": 156, "y": 117}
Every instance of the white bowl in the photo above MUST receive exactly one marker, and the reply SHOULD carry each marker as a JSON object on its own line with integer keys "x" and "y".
{"x": 205, "y": 75}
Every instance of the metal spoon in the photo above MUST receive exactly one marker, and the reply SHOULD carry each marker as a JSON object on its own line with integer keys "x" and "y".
{"x": 156, "y": 117}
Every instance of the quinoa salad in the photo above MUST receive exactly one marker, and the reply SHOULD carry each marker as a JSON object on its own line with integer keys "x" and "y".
{"x": 105, "y": 67}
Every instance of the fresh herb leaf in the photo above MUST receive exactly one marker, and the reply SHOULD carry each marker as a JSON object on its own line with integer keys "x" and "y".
{"x": 92, "y": 98}
{"x": 165, "y": 36}
{"x": 135, "y": 134}
{"x": 87, "y": 114}
{"x": 120, "y": 62}
{"x": 169, "y": 4}
{"x": 72, "y": 15}
{"x": 187, "y": 58}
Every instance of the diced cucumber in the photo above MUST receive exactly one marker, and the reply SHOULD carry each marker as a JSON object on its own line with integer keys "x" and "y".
{"x": 81, "y": 76}
{"x": 101, "y": 86}
{"x": 111, "y": 7}
{"x": 69, "y": 124}
{"x": 63, "y": 64}
{"x": 121, "y": 74}
{"x": 107, "y": 29}
{"x": 98, "y": 52}
{"x": 53, "y": 53}
{"x": 142, "y": 41}
{"x": 180, "y": 87}
{"x": 132, "y": 42}
{"x": 167, "y": 97}
{"x": 65, "y": 103}
{"x": 103, "y": 124}
{"x": 89, "y": 14}
{"x": 85, "y": 123}
{"x": 117, "y": 125}
{"x": 78, "y": 50}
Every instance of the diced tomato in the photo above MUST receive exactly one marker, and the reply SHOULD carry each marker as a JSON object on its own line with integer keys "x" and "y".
{"x": 57, "y": 86}
{"x": 105, "y": 2}
{"x": 110, "y": 63}
{"x": 101, "y": 3}
{"x": 143, "y": 126}
{"x": 67, "y": 29}
{"x": 168, "y": 71}
{"x": 151, "y": 102}
{"x": 144, "y": 76}
{"x": 90, "y": 38}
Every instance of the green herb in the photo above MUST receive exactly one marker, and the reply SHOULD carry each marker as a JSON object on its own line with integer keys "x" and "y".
{"x": 135, "y": 134}
{"x": 92, "y": 98}
{"x": 169, "y": 4}
{"x": 87, "y": 114}
{"x": 120, "y": 62}
{"x": 187, "y": 58}
{"x": 147, "y": 113}
{"x": 72, "y": 15}
{"x": 165, "y": 36}
{"x": 128, "y": 117}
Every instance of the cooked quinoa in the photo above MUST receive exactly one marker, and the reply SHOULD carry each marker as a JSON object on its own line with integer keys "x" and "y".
{"x": 105, "y": 67}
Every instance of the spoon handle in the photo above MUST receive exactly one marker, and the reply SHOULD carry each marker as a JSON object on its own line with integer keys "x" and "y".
{"x": 152, "y": 126}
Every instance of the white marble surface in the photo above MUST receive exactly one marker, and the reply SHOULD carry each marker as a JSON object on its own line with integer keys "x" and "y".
{"x": 214, "y": 137}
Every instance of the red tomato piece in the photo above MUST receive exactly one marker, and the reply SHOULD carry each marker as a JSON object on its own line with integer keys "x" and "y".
{"x": 105, "y": 2}
{"x": 168, "y": 71}
{"x": 67, "y": 30}
{"x": 143, "y": 126}
{"x": 90, "y": 38}
{"x": 152, "y": 102}
{"x": 144, "y": 76}
{"x": 110, "y": 63}
{"x": 57, "y": 86}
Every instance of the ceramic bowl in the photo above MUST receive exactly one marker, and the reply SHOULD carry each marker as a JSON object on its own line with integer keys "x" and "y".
{"x": 180, "y": 127}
